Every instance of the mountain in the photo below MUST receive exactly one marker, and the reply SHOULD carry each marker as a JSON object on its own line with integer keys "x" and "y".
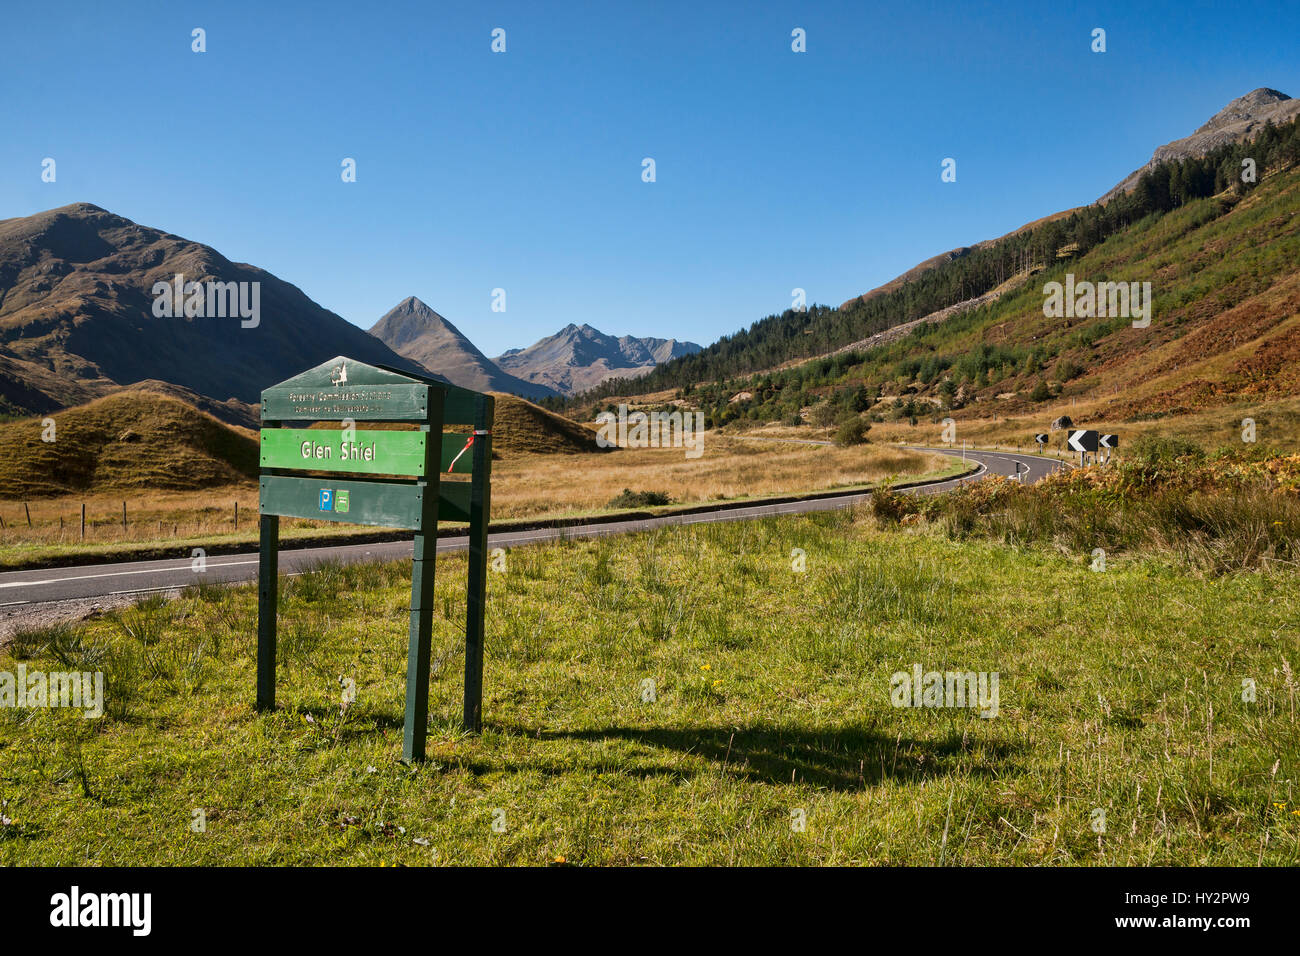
{"x": 934, "y": 262}
{"x": 1240, "y": 120}
{"x": 414, "y": 330}
{"x": 579, "y": 357}
{"x": 969, "y": 277}
{"x": 77, "y": 316}
{"x": 1213, "y": 347}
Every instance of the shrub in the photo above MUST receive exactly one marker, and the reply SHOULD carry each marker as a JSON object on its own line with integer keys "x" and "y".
{"x": 1041, "y": 392}
{"x": 1066, "y": 370}
{"x": 639, "y": 499}
{"x": 852, "y": 432}
{"x": 889, "y": 506}
{"x": 1220, "y": 516}
{"x": 1164, "y": 449}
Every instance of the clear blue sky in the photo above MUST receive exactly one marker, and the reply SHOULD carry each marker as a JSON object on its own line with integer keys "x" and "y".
{"x": 522, "y": 170}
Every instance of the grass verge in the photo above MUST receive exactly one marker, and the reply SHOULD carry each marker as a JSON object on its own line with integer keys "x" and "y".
{"x": 686, "y": 696}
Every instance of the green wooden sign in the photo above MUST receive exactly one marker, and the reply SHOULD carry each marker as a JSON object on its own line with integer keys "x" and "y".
{"x": 363, "y": 450}
{"x": 387, "y": 504}
{"x": 359, "y": 402}
{"x": 455, "y": 501}
{"x": 346, "y": 390}
{"x": 358, "y": 450}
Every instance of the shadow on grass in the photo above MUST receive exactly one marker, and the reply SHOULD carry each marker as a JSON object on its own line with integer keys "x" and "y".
{"x": 846, "y": 758}
{"x": 835, "y": 758}
{"x": 359, "y": 724}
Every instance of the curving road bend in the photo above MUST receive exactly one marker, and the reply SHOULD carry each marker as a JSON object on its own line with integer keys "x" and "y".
{"x": 19, "y": 589}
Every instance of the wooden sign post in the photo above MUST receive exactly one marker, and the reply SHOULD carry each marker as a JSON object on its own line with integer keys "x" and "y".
{"x": 408, "y": 495}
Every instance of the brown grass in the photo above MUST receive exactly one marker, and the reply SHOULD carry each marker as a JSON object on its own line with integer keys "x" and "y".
{"x": 150, "y": 516}
{"x": 135, "y": 441}
{"x": 520, "y": 427}
{"x": 730, "y": 468}
{"x": 523, "y": 486}
{"x": 1277, "y": 426}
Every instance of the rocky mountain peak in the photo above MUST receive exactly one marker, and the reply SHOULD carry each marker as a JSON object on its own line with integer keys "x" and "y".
{"x": 1241, "y": 119}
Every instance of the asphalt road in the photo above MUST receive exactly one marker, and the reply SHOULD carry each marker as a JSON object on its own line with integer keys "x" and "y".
{"x": 18, "y": 588}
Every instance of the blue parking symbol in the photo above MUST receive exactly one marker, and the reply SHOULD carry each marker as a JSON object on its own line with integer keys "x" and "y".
{"x": 326, "y": 499}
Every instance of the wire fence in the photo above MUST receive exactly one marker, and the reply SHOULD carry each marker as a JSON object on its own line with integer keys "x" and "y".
{"x": 71, "y": 522}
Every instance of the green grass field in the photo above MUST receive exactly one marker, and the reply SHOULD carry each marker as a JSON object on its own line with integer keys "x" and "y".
{"x": 770, "y": 705}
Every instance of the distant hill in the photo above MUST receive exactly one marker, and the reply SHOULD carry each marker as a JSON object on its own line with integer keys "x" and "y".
{"x": 131, "y": 440}
{"x": 232, "y": 411}
{"x": 579, "y": 357}
{"x": 414, "y": 330}
{"x": 148, "y": 439}
{"x": 522, "y": 427}
{"x": 519, "y": 428}
{"x": 77, "y": 321}
{"x": 1240, "y": 120}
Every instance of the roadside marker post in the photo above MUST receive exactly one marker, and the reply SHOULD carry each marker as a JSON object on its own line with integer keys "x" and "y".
{"x": 1082, "y": 441}
{"x": 397, "y": 484}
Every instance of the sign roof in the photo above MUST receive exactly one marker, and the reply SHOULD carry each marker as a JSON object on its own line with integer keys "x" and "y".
{"x": 333, "y": 388}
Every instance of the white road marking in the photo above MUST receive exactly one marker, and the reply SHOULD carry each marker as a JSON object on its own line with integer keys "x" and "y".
{"x": 117, "y": 574}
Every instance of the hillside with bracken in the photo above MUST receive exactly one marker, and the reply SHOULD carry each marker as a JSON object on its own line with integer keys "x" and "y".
{"x": 1220, "y": 252}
